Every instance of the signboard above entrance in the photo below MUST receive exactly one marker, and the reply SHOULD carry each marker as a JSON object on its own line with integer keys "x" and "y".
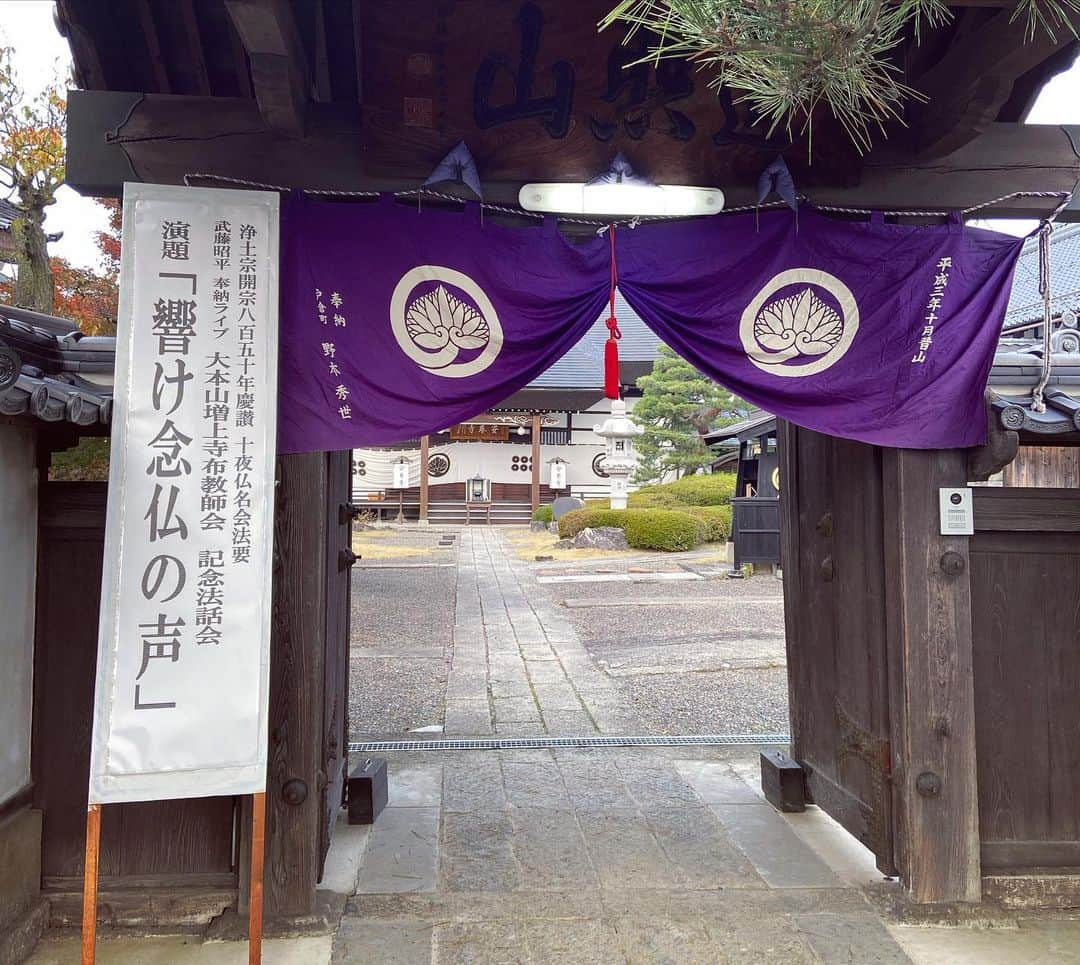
{"x": 533, "y": 87}
{"x": 479, "y": 432}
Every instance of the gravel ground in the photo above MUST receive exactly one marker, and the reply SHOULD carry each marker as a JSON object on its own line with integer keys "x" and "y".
{"x": 402, "y": 631}
{"x": 705, "y": 656}
{"x": 689, "y": 658}
{"x": 721, "y": 702}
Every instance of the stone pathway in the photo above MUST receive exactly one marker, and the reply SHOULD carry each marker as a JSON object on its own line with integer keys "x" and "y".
{"x": 518, "y": 667}
{"x": 599, "y": 856}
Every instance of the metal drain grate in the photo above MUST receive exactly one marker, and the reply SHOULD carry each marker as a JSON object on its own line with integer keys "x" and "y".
{"x": 543, "y": 742}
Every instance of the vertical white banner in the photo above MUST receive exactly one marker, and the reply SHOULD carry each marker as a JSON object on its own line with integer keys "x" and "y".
{"x": 181, "y": 698}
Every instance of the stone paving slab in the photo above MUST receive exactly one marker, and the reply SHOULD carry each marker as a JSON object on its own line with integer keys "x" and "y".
{"x": 776, "y": 852}
{"x": 401, "y": 852}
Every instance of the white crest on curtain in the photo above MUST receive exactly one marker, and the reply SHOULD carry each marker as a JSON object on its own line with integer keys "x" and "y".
{"x": 435, "y": 325}
{"x": 799, "y": 333}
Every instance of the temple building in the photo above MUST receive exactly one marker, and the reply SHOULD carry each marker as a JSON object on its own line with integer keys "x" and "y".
{"x": 501, "y": 461}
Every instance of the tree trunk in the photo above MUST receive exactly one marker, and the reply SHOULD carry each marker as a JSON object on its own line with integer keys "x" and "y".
{"x": 34, "y": 288}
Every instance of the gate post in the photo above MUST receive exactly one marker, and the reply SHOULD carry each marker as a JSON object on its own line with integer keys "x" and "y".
{"x": 425, "y": 450}
{"x": 297, "y": 680}
{"x": 930, "y": 679}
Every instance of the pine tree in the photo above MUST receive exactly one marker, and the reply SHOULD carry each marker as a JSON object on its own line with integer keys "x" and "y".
{"x": 677, "y": 408}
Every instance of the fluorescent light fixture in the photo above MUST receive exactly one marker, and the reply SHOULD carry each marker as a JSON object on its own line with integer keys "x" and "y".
{"x": 672, "y": 200}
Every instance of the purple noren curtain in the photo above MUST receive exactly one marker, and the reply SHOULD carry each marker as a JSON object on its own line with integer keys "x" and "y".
{"x": 395, "y": 323}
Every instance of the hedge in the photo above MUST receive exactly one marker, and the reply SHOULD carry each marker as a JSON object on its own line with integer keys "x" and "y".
{"x": 655, "y": 529}
{"x": 701, "y": 490}
{"x": 543, "y": 514}
{"x": 717, "y": 520}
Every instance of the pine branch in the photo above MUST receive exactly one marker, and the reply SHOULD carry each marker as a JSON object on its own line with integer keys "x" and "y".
{"x": 788, "y": 58}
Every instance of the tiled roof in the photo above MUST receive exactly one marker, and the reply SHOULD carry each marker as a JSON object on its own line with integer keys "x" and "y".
{"x": 1025, "y": 303}
{"x": 50, "y": 371}
{"x": 583, "y": 366}
{"x": 8, "y": 213}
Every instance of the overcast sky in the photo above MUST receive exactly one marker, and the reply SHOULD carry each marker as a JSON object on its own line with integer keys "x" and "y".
{"x": 41, "y": 53}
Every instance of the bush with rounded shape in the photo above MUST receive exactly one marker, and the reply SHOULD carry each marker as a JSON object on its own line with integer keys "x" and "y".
{"x": 662, "y": 529}
{"x": 576, "y": 520}
{"x": 543, "y": 514}
{"x": 717, "y": 520}
{"x": 715, "y": 489}
{"x": 657, "y": 529}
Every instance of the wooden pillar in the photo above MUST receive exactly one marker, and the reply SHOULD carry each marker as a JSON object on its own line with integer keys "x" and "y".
{"x": 932, "y": 705}
{"x": 297, "y": 651}
{"x": 534, "y": 493}
{"x": 425, "y": 446}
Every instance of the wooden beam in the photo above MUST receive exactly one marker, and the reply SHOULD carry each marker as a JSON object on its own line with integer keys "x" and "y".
{"x": 161, "y": 138}
{"x": 357, "y": 15}
{"x": 966, "y": 90}
{"x": 425, "y": 476}
{"x": 534, "y": 487}
{"x": 153, "y": 46}
{"x": 279, "y": 70}
{"x": 197, "y": 57}
{"x": 931, "y": 683}
{"x": 322, "y": 61}
{"x": 89, "y": 73}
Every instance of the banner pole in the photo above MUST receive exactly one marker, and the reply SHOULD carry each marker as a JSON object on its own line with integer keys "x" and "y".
{"x": 90, "y": 884}
{"x": 255, "y": 902}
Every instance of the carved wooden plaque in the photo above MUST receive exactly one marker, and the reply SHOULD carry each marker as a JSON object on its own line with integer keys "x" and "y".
{"x": 538, "y": 94}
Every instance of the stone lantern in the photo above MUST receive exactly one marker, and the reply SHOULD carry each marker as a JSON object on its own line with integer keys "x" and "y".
{"x": 557, "y": 475}
{"x": 618, "y": 433}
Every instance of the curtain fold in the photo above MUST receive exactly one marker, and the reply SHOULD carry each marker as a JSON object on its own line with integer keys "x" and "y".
{"x": 397, "y": 323}
{"x": 870, "y": 331}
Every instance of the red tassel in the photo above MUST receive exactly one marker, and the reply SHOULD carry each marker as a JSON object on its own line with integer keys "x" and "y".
{"x": 611, "y": 367}
{"x": 611, "y": 347}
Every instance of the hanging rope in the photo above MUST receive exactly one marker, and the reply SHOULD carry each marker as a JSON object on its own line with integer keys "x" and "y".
{"x": 1037, "y": 401}
{"x": 611, "y": 347}
{"x": 1061, "y": 197}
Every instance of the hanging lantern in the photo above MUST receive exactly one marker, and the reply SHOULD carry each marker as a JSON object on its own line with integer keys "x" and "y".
{"x": 401, "y": 472}
{"x": 618, "y": 433}
{"x": 557, "y": 473}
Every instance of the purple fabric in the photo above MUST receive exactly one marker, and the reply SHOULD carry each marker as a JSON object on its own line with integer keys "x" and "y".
{"x": 825, "y": 322}
{"x": 396, "y": 324}
{"x": 426, "y": 319}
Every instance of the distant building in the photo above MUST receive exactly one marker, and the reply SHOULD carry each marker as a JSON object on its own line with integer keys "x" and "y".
{"x": 8, "y": 214}
{"x": 500, "y": 451}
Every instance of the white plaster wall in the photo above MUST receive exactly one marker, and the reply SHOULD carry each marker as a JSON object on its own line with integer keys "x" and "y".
{"x": 18, "y": 565}
{"x": 492, "y": 460}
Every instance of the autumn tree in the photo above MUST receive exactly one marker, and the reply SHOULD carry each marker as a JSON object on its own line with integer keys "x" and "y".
{"x": 31, "y": 170}
{"x": 678, "y": 406}
{"x": 87, "y": 297}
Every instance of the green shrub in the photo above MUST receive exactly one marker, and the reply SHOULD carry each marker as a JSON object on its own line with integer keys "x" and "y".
{"x": 543, "y": 514}
{"x": 655, "y": 529}
{"x": 662, "y": 529}
{"x": 717, "y": 520}
{"x": 576, "y": 520}
{"x": 702, "y": 490}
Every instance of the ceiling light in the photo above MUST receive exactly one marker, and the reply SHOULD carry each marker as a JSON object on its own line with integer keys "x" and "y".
{"x": 621, "y": 199}
{"x": 620, "y": 191}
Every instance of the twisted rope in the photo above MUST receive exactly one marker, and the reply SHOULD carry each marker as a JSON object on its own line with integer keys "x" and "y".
{"x": 1062, "y": 198}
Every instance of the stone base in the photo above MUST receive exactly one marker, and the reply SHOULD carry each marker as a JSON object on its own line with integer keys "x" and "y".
{"x": 18, "y": 938}
{"x": 22, "y": 912}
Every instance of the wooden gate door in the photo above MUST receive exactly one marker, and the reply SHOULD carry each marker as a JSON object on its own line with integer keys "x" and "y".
{"x": 834, "y": 609}
{"x": 339, "y": 560}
